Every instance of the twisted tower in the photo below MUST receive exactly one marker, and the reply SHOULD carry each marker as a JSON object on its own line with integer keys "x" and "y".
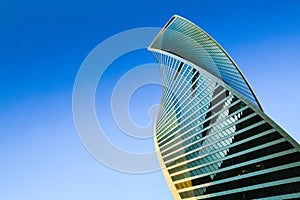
{"x": 213, "y": 139}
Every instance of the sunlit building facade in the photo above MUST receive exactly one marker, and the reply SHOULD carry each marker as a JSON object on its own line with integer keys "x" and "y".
{"x": 213, "y": 139}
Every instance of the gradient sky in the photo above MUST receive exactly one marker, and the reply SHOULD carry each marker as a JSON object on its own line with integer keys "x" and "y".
{"x": 42, "y": 46}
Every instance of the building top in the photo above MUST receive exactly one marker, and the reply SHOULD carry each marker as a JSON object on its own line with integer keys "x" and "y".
{"x": 186, "y": 40}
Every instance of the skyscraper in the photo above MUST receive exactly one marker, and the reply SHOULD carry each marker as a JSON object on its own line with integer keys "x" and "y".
{"x": 212, "y": 137}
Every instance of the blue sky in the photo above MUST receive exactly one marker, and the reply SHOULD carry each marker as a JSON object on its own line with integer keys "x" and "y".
{"x": 42, "y": 46}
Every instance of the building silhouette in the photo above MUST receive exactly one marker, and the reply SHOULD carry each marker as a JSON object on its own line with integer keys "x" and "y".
{"x": 212, "y": 137}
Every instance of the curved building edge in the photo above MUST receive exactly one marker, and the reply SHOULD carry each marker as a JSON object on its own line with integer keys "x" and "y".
{"x": 151, "y": 48}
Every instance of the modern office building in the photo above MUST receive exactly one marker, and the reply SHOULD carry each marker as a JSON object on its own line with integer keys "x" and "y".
{"x": 213, "y": 139}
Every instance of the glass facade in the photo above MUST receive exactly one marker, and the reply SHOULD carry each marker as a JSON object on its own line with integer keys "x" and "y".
{"x": 214, "y": 140}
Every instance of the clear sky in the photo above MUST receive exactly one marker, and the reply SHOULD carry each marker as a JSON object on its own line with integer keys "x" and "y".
{"x": 42, "y": 46}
